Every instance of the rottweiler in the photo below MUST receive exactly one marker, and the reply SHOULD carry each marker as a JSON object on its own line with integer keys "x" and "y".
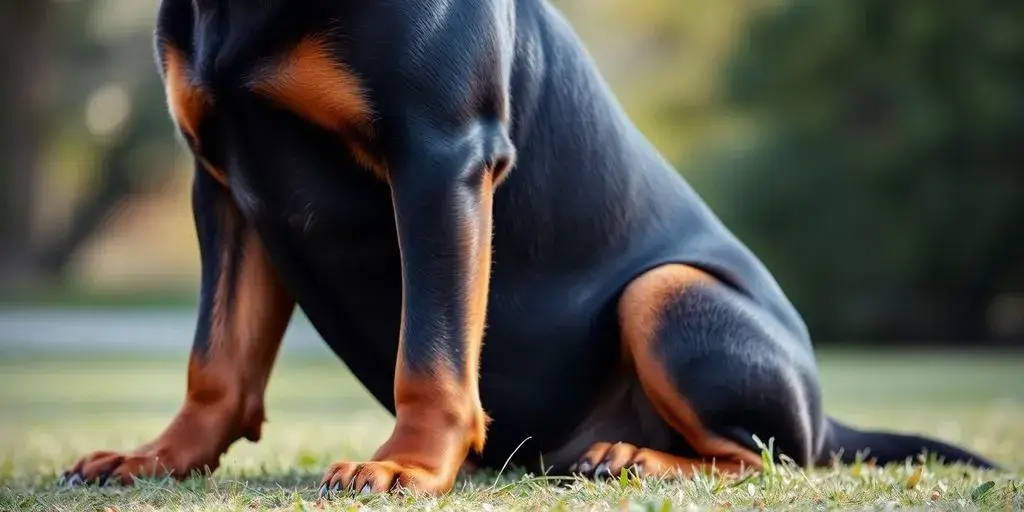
{"x": 460, "y": 206}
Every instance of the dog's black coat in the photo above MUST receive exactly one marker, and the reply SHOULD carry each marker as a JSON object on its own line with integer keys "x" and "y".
{"x": 460, "y": 88}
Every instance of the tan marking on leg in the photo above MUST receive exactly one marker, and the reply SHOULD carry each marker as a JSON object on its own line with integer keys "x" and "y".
{"x": 226, "y": 385}
{"x": 246, "y": 333}
{"x": 439, "y": 417}
{"x": 478, "y": 249}
{"x": 641, "y": 310}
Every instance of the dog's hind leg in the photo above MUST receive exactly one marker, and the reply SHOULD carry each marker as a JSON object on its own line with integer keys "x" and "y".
{"x": 243, "y": 313}
{"x": 716, "y": 371}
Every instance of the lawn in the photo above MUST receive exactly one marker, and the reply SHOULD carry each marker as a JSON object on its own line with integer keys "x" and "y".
{"x": 55, "y": 409}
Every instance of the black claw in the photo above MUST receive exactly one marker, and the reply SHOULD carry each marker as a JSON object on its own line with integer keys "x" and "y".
{"x": 322, "y": 493}
{"x": 337, "y": 487}
{"x": 367, "y": 488}
{"x": 573, "y": 468}
{"x": 396, "y": 484}
{"x": 586, "y": 467}
{"x": 102, "y": 478}
{"x": 75, "y": 479}
{"x": 602, "y": 470}
{"x": 355, "y": 476}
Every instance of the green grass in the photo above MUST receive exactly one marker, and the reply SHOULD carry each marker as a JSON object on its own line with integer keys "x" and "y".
{"x": 53, "y": 410}
{"x": 60, "y": 295}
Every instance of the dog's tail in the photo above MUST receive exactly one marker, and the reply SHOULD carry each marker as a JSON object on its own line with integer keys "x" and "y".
{"x": 886, "y": 447}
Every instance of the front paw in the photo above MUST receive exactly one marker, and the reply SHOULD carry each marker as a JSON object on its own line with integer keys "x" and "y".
{"x": 102, "y": 467}
{"x": 382, "y": 476}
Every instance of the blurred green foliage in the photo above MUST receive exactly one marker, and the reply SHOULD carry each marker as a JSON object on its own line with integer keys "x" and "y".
{"x": 868, "y": 151}
{"x": 87, "y": 127}
{"x": 884, "y": 183}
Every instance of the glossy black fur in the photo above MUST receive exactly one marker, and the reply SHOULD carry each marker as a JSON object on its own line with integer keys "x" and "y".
{"x": 587, "y": 206}
{"x": 743, "y": 373}
{"x": 219, "y": 226}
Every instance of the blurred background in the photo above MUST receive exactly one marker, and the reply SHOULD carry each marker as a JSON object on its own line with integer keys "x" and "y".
{"x": 871, "y": 152}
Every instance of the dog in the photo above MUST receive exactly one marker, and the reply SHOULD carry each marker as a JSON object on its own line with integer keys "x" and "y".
{"x": 455, "y": 198}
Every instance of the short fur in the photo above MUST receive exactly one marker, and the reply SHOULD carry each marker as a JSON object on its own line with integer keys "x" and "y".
{"x": 462, "y": 209}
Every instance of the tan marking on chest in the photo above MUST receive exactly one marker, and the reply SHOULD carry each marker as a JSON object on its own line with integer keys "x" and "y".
{"x": 187, "y": 103}
{"x": 311, "y": 83}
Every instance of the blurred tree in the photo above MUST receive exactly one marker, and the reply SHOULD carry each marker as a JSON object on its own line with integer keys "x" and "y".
{"x": 661, "y": 57}
{"x": 122, "y": 121}
{"x": 23, "y": 65}
{"x": 104, "y": 112}
{"x": 106, "y": 134}
{"x": 885, "y": 183}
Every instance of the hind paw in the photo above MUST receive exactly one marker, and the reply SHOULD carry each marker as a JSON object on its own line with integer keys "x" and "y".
{"x": 607, "y": 460}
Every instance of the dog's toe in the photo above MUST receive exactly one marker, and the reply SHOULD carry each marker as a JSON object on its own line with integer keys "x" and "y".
{"x": 71, "y": 479}
{"x": 606, "y": 460}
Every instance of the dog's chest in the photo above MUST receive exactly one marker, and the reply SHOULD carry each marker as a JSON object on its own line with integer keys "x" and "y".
{"x": 325, "y": 214}
{"x": 327, "y": 222}
{"x": 336, "y": 250}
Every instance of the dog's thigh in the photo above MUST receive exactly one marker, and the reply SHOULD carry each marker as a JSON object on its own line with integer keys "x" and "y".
{"x": 717, "y": 368}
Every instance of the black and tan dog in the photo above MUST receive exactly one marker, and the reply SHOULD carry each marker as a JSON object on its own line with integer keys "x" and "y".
{"x": 413, "y": 173}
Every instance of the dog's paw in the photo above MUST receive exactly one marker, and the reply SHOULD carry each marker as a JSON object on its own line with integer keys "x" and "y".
{"x": 103, "y": 467}
{"x": 607, "y": 460}
{"x": 380, "y": 477}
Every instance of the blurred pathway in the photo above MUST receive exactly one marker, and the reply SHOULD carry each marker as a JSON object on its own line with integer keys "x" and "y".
{"x": 136, "y": 331}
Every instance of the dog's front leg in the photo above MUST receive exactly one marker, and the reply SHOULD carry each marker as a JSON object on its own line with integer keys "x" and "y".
{"x": 244, "y": 310}
{"x": 442, "y": 197}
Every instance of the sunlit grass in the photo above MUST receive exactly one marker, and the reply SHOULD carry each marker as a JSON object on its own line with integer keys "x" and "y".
{"x": 53, "y": 410}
